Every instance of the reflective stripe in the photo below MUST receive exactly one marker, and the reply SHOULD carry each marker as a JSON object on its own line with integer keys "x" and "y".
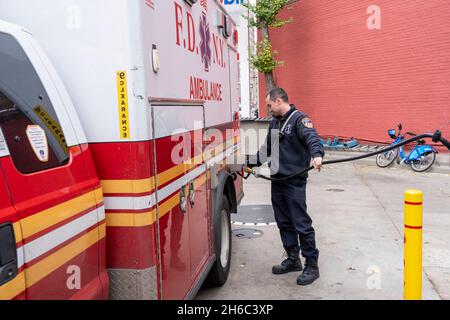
{"x": 177, "y": 184}
{"x": 148, "y": 218}
{"x": 47, "y": 218}
{"x": 133, "y": 203}
{"x": 179, "y": 169}
{"x": 223, "y": 155}
{"x": 20, "y": 257}
{"x": 139, "y": 219}
{"x": 43, "y": 268}
{"x": 36, "y": 248}
{"x": 56, "y": 237}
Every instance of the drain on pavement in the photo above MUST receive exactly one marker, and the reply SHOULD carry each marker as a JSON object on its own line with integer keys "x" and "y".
{"x": 256, "y": 215}
{"x": 247, "y": 233}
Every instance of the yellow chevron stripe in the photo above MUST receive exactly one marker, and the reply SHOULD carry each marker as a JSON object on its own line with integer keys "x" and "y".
{"x": 17, "y": 231}
{"x": 43, "y": 268}
{"x": 49, "y": 217}
{"x": 128, "y": 186}
{"x": 148, "y": 185}
{"x": 45, "y": 219}
{"x": 147, "y": 218}
{"x": 11, "y": 289}
{"x": 48, "y": 265}
{"x": 98, "y": 195}
{"x": 211, "y": 153}
{"x": 179, "y": 169}
{"x": 200, "y": 181}
{"x": 131, "y": 219}
{"x": 168, "y": 205}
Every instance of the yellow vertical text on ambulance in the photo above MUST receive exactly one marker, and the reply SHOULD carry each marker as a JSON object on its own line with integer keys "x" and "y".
{"x": 122, "y": 94}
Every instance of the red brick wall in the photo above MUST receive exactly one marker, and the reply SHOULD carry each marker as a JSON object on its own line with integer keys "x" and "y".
{"x": 353, "y": 81}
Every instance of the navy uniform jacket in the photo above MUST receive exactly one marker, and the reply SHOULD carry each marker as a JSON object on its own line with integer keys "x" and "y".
{"x": 298, "y": 144}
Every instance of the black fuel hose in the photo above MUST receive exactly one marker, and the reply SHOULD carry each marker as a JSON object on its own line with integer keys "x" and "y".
{"x": 436, "y": 137}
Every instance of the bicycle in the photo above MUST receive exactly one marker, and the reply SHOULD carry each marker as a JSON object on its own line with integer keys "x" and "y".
{"x": 421, "y": 158}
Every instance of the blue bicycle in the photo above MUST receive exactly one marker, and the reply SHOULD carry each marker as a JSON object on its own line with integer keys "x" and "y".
{"x": 421, "y": 158}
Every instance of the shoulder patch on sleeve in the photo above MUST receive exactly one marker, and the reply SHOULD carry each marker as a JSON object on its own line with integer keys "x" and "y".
{"x": 307, "y": 123}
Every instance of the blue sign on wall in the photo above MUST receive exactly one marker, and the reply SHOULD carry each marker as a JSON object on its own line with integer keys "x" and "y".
{"x": 229, "y": 2}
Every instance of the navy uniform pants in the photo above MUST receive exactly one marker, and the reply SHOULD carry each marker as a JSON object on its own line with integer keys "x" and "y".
{"x": 294, "y": 223}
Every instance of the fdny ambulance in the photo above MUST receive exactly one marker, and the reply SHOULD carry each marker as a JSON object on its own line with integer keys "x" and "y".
{"x": 117, "y": 118}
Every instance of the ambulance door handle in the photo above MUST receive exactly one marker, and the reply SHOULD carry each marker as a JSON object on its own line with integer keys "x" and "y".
{"x": 8, "y": 254}
{"x": 183, "y": 200}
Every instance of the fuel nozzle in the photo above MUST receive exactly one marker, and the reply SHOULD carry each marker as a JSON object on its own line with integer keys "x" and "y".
{"x": 248, "y": 170}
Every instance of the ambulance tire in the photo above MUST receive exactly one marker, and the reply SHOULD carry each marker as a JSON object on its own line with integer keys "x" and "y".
{"x": 218, "y": 275}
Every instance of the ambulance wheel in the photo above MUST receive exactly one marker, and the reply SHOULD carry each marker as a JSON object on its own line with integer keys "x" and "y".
{"x": 385, "y": 159}
{"x": 218, "y": 275}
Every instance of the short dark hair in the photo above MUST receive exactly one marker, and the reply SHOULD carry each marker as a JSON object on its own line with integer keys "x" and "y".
{"x": 278, "y": 93}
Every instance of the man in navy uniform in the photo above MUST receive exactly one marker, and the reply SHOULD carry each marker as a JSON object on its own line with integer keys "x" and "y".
{"x": 292, "y": 142}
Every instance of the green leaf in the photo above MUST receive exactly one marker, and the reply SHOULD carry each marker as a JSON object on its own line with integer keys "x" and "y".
{"x": 264, "y": 61}
{"x": 266, "y": 16}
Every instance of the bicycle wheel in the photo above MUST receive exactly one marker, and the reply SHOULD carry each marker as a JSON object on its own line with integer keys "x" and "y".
{"x": 385, "y": 159}
{"x": 425, "y": 162}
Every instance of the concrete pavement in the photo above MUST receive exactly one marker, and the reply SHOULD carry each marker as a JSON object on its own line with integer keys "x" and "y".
{"x": 358, "y": 216}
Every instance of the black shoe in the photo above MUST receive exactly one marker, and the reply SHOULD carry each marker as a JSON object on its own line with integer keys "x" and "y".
{"x": 292, "y": 263}
{"x": 310, "y": 274}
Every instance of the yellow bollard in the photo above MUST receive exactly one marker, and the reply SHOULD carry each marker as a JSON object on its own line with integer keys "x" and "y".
{"x": 413, "y": 245}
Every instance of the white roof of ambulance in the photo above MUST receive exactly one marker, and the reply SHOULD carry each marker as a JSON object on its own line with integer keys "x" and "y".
{"x": 56, "y": 91}
{"x": 90, "y": 41}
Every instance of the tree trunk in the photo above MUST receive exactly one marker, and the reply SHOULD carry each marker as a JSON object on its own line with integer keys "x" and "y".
{"x": 270, "y": 84}
{"x": 270, "y": 80}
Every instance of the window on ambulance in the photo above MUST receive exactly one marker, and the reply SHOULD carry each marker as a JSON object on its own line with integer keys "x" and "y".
{"x": 28, "y": 120}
